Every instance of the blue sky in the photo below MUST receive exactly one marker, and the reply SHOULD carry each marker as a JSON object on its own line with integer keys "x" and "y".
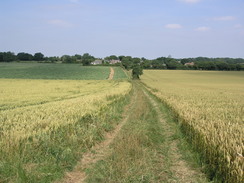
{"x": 139, "y": 28}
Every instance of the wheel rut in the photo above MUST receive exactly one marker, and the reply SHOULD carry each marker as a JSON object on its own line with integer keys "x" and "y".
{"x": 181, "y": 171}
{"x": 99, "y": 151}
{"x": 174, "y": 168}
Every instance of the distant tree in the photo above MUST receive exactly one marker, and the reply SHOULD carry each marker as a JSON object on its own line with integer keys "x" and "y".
{"x": 7, "y": 56}
{"x": 112, "y": 57}
{"x": 143, "y": 59}
{"x": 238, "y": 67}
{"x": 68, "y": 59}
{"x": 136, "y": 60}
{"x": 121, "y": 57}
{"x": 146, "y": 64}
{"x": 38, "y": 56}
{"x": 24, "y": 56}
{"x": 136, "y": 71}
{"x": 185, "y": 60}
{"x": 127, "y": 62}
{"x": 1, "y": 57}
{"x": 52, "y": 59}
{"x": 78, "y": 57}
{"x": 222, "y": 65}
{"x": 86, "y": 59}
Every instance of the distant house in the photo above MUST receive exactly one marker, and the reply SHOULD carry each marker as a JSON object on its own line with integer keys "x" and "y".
{"x": 114, "y": 61}
{"x": 97, "y": 62}
{"x": 189, "y": 64}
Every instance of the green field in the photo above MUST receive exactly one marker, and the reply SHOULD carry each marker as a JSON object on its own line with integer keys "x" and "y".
{"x": 57, "y": 71}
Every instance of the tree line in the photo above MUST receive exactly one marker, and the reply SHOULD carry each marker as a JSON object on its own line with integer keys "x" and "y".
{"x": 85, "y": 59}
{"x": 128, "y": 62}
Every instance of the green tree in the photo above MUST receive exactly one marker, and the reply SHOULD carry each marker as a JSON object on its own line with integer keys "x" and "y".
{"x": 112, "y": 57}
{"x": 136, "y": 71}
{"x": 86, "y": 59}
{"x": 24, "y": 56}
{"x": 68, "y": 59}
{"x": 127, "y": 62}
{"x": 78, "y": 57}
{"x": 38, "y": 56}
{"x": 7, "y": 56}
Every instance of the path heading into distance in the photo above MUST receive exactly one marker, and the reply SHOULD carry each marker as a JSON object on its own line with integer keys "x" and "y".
{"x": 142, "y": 148}
{"x": 111, "y": 75}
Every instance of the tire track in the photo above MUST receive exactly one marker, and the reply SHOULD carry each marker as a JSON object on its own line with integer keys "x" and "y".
{"x": 99, "y": 151}
{"x": 181, "y": 170}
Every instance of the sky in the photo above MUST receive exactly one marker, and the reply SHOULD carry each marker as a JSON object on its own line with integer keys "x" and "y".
{"x": 138, "y": 28}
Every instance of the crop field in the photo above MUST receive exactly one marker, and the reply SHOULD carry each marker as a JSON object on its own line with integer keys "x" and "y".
{"x": 210, "y": 110}
{"x": 47, "y": 124}
{"x": 56, "y": 71}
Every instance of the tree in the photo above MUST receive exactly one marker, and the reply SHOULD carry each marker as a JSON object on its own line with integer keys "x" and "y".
{"x": 127, "y": 62}
{"x": 146, "y": 64}
{"x": 24, "y": 56}
{"x": 111, "y": 57}
{"x": 1, "y": 57}
{"x": 136, "y": 71}
{"x": 53, "y": 59}
{"x": 68, "y": 59}
{"x": 121, "y": 57}
{"x": 38, "y": 56}
{"x": 86, "y": 59}
{"x": 7, "y": 56}
{"x": 78, "y": 57}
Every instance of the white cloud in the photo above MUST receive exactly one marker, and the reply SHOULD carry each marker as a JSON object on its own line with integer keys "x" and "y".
{"x": 225, "y": 18}
{"x": 190, "y": 1}
{"x": 59, "y": 23}
{"x": 202, "y": 29}
{"x": 173, "y": 26}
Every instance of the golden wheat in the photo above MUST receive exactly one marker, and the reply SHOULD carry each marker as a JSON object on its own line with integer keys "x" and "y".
{"x": 210, "y": 108}
{"x": 31, "y": 108}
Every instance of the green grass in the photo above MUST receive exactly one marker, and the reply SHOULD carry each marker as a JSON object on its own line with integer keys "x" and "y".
{"x": 142, "y": 152}
{"x": 135, "y": 151}
{"x": 119, "y": 73}
{"x": 56, "y": 71}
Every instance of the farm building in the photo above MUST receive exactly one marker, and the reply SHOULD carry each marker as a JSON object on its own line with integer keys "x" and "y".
{"x": 96, "y": 62}
{"x": 114, "y": 61}
{"x": 189, "y": 64}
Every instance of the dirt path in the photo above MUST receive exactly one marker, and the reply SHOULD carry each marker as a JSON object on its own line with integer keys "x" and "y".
{"x": 99, "y": 151}
{"x": 111, "y": 75}
{"x": 182, "y": 171}
{"x": 174, "y": 168}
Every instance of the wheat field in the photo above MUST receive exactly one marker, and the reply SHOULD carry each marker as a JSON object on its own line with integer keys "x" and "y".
{"x": 210, "y": 110}
{"x": 48, "y": 121}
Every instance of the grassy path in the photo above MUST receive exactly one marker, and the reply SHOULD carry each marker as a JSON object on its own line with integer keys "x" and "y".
{"x": 99, "y": 151}
{"x": 145, "y": 147}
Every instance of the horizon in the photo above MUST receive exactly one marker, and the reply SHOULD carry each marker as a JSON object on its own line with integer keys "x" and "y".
{"x": 150, "y": 29}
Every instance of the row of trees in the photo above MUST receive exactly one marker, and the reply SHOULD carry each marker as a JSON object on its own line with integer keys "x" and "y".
{"x": 128, "y": 62}
{"x": 85, "y": 59}
{"x": 10, "y": 57}
{"x": 199, "y": 63}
